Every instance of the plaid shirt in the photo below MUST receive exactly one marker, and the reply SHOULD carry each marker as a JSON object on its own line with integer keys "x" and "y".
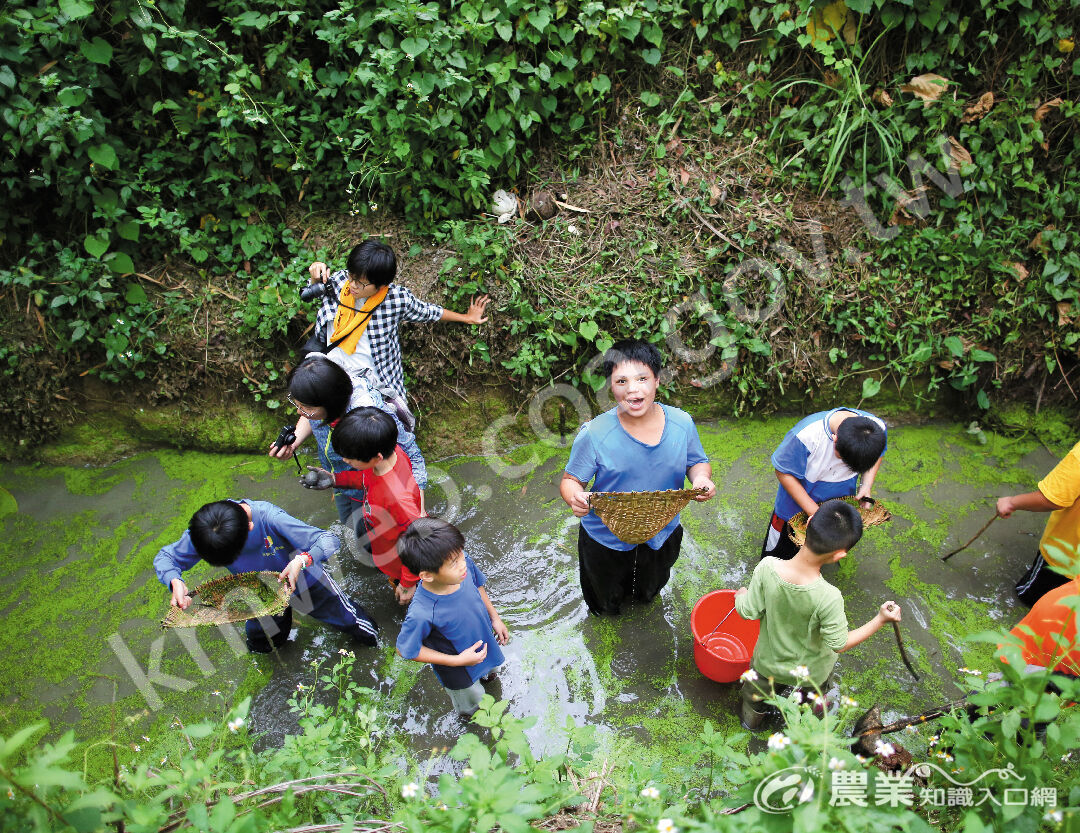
{"x": 399, "y": 305}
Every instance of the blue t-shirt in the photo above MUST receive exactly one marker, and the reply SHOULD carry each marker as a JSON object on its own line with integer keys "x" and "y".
{"x": 274, "y": 540}
{"x": 808, "y": 452}
{"x": 449, "y": 624}
{"x": 619, "y": 463}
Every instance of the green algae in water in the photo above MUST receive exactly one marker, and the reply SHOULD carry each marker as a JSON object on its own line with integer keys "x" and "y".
{"x": 8, "y": 504}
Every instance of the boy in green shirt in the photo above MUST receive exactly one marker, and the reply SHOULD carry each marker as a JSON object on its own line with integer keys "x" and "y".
{"x": 803, "y": 624}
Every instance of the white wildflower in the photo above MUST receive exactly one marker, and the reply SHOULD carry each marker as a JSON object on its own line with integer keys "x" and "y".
{"x": 468, "y": 772}
{"x": 1054, "y": 815}
{"x": 911, "y": 730}
{"x": 933, "y": 740}
{"x": 778, "y": 741}
{"x": 235, "y": 724}
{"x": 796, "y": 696}
{"x": 813, "y": 697}
{"x": 300, "y": 687}
{"x": 800, "y": 672}
{"x": 163, "y": 760}
{"x": 216, "y": 693}
{"x": 748, "y": 676}
{"x": 861, "y": 759}
{"x": 836, "y": 763}
{"x": 884, "y": 749}
{"x": 973, "y": 671}
{"x": 137, "y": 747}
{"x": 144, "y": 737}
{"x": 342, "y": 651}
{"x": 10, "y": 794}
{"x": 650, "y": 792}
{"x": 409, "y": 790}
{"x": 666, "y": 826}
{"x": 847, "y": 701}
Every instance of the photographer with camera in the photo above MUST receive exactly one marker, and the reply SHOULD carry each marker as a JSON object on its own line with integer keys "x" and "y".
{"x": 362, "y": 308}
{"x": 322, "y": 392}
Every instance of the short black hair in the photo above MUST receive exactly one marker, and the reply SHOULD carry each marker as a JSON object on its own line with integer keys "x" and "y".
{"x": 836, "y": 525}
{"x": 218, "y": 530}
{"x": 319, "y": 382}
{"x": 860, "y": 442}
{"x": 632, "y": 350}
{"x": 373, "y": 261}
{"x": 364, "y": 432}
{"x": 428, "y": 543}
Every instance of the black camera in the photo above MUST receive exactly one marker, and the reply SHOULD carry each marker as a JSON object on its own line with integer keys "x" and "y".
{"x": 286, "y": 436}
{"x": 312, "y": 291}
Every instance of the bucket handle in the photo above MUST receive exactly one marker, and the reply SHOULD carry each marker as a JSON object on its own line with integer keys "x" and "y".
{"x": 701, "y": 641}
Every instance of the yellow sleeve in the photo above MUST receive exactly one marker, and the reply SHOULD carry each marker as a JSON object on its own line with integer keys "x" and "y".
{"x": 1062, "y": 484}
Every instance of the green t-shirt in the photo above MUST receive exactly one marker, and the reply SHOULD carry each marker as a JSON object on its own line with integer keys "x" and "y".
{"x": 801, "y": 624}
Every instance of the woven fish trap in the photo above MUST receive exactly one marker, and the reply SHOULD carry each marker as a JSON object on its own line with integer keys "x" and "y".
{"x": 635, "y": 517}
{"x": 232, "y": 598}
{"x": 873, "y": 515}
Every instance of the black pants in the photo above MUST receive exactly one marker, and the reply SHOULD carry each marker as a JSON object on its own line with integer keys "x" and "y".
{"x": 782, "y": 547}
{"x": 1038, "y": 581}
{"x": 322, "y": 600}
{"x": 610, "y": 577}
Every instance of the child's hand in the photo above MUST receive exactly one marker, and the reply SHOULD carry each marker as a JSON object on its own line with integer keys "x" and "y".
{"x": 180, "y": 597}
{"x": 475, "y": 315}
{"x": 319, "y": 272}
{"x": 404, "y": 594}
{"x": 579, "y": 504}
{"x": 704, "y": 483}
{"x": 890, "y": 612}
{"x": 502, "y": 635}
{"x": 292, "y": 571}
{"x": 317, "y": 478}
{"x": 1005, "y": 506}
{"x": 474, "y": 655}
{"x": 282, "y": 452}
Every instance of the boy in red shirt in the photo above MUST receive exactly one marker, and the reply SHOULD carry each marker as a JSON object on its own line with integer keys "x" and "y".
{"x": 366, "y": 439}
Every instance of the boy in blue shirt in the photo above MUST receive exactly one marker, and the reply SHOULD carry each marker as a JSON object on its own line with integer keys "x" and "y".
{"x": 249, "y": 535}
{"x": 451, "y": 621}
{"x": 821, "y": 458}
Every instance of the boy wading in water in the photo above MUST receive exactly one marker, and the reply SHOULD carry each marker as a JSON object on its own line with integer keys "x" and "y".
{"x": 803, "y": 623}
{"x": 637, "y": 446}
{"x": 451, "y": 622}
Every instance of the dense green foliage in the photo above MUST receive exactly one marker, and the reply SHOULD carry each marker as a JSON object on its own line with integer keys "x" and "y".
{"x": 207, "y": 135}
{"x": 343, "y": 771}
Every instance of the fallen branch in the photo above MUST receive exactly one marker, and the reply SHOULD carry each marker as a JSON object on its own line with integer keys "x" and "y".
{"x": 973, "y": 537}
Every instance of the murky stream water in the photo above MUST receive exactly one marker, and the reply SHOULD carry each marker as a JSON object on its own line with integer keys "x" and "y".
{"x": 80, "y": 601}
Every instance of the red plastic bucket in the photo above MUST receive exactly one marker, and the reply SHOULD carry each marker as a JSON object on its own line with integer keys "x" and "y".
{"x": 722, "y": 651}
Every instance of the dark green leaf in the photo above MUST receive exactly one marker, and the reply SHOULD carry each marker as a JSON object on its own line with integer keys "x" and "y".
{"x": 105, "y": 156}
{"x": 97, "y": 50}
{"x": 96, "y": 246}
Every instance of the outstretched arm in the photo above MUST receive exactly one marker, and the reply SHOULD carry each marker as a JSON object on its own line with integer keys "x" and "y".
{"x": 889, "y": 612}
{"x": 475, "y": 315}
{"x": 1029, "y": 502}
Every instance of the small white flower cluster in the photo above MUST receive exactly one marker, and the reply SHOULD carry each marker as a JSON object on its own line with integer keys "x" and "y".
{"x": 800, "y": 672}
{"x": 1055, "y": 816}
{"x": 933, "y": 740}
{"x": 911, "y": 730}
{"x": 836, "y": 764}
{"x": 945, "y": 756}
{"x": 778, "y": 741}
{"x": 848, "y": 702}
{"x": 234, "y": 725}
{"x": 748, "y": 676}
{"x": 796, "y": 696}
{"x": 468, "y": 772}
{"x": 885, "y": 750}
{"x": 973, "y": 671}
{"x": 409, "y": 790}
{"x": 813, "y": 697}
{"x": 666, "y": 826}
{"x": 650, "y": 792}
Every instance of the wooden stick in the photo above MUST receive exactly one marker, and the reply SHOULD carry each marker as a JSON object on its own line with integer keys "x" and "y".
{"x": 973, "y": 537}
{"x": 903, "y": 723}
{"x": 903, "y": 653}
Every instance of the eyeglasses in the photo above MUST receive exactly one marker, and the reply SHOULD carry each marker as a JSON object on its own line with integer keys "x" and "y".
{"x": 356, "y": 286}
{"x": 300, "y": 409}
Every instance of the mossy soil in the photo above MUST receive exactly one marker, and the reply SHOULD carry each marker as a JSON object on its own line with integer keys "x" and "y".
{"x": 77, "y": 577}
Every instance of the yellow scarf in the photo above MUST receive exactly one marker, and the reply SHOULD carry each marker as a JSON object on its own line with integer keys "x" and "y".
{"x": 351, "y": 321}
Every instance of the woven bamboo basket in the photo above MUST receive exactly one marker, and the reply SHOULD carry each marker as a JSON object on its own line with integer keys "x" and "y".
{"x": 233, "y": 598}
{"x": 873, "y": 515}
{"x": 635, "y": 517}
